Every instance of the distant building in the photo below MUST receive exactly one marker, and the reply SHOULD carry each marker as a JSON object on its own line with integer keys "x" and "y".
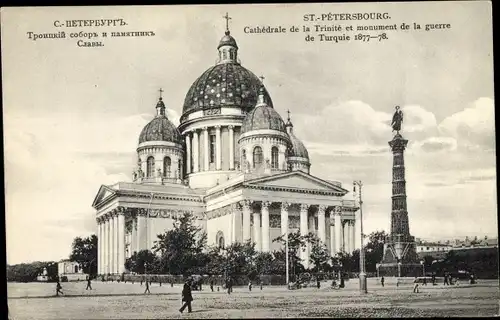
{"x": 423, "y": 247}
{"x": 43, "y": 276}
{"x": 71, "y": 270}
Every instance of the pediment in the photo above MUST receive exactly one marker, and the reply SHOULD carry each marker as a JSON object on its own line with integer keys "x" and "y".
{"x": 296, "y": 180}
{"x": 103, "y": 193}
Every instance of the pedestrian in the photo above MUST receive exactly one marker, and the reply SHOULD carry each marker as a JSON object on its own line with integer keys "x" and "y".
{"x": 415, "y": 285}
{"x": 433, "y": 279}
{"x": 425, "y": 281}
{"x": 250, "y": 285}
{"x": 58, "y": 288}
{"x": 382, "y": 281}
{"x": 261, "y": 285}
{"x": 446, "y": 279}
{"x": 89, "y": 284}
{"x": 318, "y": 283}
{"x": 147, "y": 287}
{"x": 228, "y": 285}
{"x": 212, "y": 284}
{"x": 187, "y": 297}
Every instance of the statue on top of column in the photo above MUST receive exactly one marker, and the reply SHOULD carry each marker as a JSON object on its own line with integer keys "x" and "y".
{"x": 397, "y": 119}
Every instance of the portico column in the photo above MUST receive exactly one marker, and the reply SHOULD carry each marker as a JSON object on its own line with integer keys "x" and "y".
{"x": 196, "y": 151}
{"x": 304, "y": 254}
{"x": 332, "y": 238}
{"x": 218, "y": 147}
{"x": 246, "y": 220}
{"x": 116, "y": 244}
{"x": 111, "y": 252}
{"x": 141, "y": 231}
{"x": 107, "y": 239}
{"x": 206, "y": 152}
{"x": 338, "y": 230}
{"x": 121, "y": 243}
{"x": 236, "y": 222}
{"x": 321, "y": 223}
{"x": 265, "y": 226}
{"x": 353, "y": 235}
{"x": 231, "y": 147}
{"x": 99, "y": 245}
{"x": 284, "y": 217}
{"x": 256, "y": 231}
{"x": 133, "y": 240}
{"x": 188, "y": 153}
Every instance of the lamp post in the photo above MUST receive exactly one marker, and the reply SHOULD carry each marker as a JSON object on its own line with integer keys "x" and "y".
{"x": 362, "y": 273}
{"x": 286, "y": 258}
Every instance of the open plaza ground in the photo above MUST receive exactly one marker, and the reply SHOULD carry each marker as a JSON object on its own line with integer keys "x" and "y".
{"x": 127, "y": 301}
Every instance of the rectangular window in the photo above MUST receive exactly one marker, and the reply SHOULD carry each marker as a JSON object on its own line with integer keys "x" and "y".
{"x": 212, "y": 148}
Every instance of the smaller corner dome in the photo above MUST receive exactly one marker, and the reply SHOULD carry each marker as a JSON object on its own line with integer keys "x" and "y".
{"x": 227, "y": 40}
{"x": 263, "y": 117}
{"x": 160, "y": 129}
{"x": 297, "y": 147}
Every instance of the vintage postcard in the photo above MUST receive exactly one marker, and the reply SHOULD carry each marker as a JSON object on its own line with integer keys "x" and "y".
{"x": 250, "y": 161}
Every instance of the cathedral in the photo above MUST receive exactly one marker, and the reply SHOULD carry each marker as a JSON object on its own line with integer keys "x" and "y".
{"x": 233, "y": 163}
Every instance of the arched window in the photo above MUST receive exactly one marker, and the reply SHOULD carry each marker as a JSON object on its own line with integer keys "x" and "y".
{"x": 224, "y": 54}
{"x": 231, "y": 54}
{"x": 274, "y": 158}
{"x": 243, "y": 158}
{"x": 150, "y": 167}
{"x": 179, "y": 169}
{"x": 166, "y": 167}
{"x": 76, "y": 269}
{"x": 220, "y": 239}
{"x": 257, "y": 157}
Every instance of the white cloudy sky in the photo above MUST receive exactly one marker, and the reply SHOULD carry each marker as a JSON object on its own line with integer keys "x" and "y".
{"x": 72, "y": 115}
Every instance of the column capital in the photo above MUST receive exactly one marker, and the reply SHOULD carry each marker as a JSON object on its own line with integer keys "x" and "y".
{"x": 285, "y": 205}
{"x": 217, "y": 127}
{"x": 322, "y": 208}
{"x": 204, "y": 128}
{"x": 265, "y": 204}
{"x": 194, "y": 131}
{"x": 231, "y": 127}
{"x": 304, "y": 207}
{"x": 245, "y": 204}
{"x": 337, "y": 210}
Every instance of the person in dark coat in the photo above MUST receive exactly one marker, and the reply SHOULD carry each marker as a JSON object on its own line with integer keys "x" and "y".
{"x": 89, "y": 284}
{"x": 187, "y": 297}
{"x": 382, "y": 280}
{"x": 58, "y": 288}
{"x": 212, "y": 284}
{"x": 147, "y": 287}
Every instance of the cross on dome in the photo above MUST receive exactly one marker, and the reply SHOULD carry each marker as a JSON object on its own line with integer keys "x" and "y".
{"x": 288, "y": 111}
{"x": 227, "y": 17}
{"x": 161, "y": 91}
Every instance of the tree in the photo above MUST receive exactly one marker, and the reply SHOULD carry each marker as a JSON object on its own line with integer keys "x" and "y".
{"x": 374, "y": 250}
{"x": 28, "y": 272}
{"x": 240, "y": 258}
{"x": 142, "y": 261}
{"x": 319, "y": 255}
{"x": 264, "y": 263}
{"x": 296, "y": 242}
{"x": 181, "y": 249}
{"x": 84, "y": 251}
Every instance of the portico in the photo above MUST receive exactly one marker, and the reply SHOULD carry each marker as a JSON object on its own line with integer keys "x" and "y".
{"x": 265, "y": 208}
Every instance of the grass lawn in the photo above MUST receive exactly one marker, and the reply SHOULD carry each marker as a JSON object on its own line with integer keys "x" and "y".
{"x": 127, "y": 301}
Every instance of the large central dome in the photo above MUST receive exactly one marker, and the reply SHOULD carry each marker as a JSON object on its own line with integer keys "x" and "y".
{"x": 227, "y": 84}
{"x": 224, "y": 85}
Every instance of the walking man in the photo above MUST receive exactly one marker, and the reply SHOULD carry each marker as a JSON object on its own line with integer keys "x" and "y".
{"x": 58, "y": 288}
{"x": 446, "y": 279}
{"x": 187, "y": 297}
{"x": 147, "y": 287}
{"x": 415, "y": 285}
{"x": 382, "y": 281}
{"x": 250, "y": 285}
{"x": 261, "y": 284}
{"x": 89, "y": 284}
{"x": 212, "y": 284}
